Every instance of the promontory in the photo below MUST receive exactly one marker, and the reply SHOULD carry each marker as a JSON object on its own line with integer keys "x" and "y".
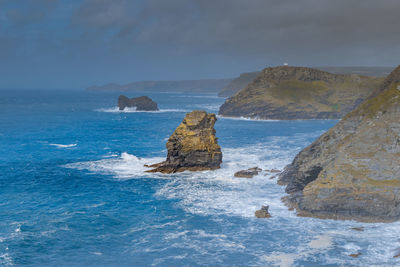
{"x": 287, "y": 92}
{"x": 353, "y": 170}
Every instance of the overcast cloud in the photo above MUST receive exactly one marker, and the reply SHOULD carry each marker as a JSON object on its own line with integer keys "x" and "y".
{"x": 71, "y": 43}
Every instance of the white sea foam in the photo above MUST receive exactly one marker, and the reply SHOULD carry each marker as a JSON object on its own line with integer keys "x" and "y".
{"x": 122, "y": 167}
{"x": 6, "y": 259}
{"x": 218, "y": 193}
{"x": 64, "y": 146}
{"x": 243, "y": 118}
{"x": 133, "y": 110}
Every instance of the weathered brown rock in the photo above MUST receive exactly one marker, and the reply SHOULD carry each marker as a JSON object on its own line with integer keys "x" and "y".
{"x": 249, "y": 173}
{"x": 359, "y": 229}
{"x": 143, "y": 103}
{"x": 193, "y": 146}
{"x": 353, "y": 170}
{"x": 263, "y": 212}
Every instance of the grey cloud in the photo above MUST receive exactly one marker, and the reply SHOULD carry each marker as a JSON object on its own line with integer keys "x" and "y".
{"x": 182, "y": 39}
{"x": 252, "y": 26}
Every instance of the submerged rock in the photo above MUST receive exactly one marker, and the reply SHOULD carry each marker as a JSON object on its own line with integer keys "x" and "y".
{"x": 143, "y": 103}
{"x": 249, "y": 173}
{"x": 353, "y": 170}
{"x": 263, "y": 212}
{"x": 193, "y": 146}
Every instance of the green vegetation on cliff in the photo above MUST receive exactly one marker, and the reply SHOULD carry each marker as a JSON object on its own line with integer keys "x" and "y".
{"x": 353, "y": 170}
{"x": 299, "y": 93}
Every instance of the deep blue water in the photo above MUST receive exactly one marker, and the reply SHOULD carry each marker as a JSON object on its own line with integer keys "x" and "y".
{"x": 73, "y": 191}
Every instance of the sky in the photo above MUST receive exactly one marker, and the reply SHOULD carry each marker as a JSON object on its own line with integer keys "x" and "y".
{"x": 78, "y": 43}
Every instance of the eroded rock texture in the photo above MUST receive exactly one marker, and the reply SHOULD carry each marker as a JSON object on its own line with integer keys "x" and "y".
{"x": 193, "y": 146}
{"x": 353, "y": 170}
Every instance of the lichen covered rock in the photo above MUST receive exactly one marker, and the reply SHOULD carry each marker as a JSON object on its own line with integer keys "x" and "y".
{"x": 193, "y": 146}
{"x": 143, "y": 103}
{"x": 353, "y": 170}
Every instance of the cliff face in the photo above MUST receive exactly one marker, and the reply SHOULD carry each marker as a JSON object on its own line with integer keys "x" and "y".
{"x": 193, "y": 146}
{"x": 353, "y": 170}
{"x": 299, "y": 93}
{"x": 144, "y": 103}
{"x": 238, "y": 84}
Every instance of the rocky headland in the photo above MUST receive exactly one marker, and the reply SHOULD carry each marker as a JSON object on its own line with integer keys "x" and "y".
{"x": 353, "y": 170}
{"x": 287, "y": 92}
{"x": 193, "y": 146}
{"x": 142, "y": 103}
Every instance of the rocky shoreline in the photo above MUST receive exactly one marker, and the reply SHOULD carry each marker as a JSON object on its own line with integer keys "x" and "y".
{"x": 352, "y": 172}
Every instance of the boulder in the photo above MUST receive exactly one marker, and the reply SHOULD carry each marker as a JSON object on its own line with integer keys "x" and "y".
{"x": 142, "y": 103}
{"x": 193, "y": 145}
{"x": 263, "y": 212}
{"x": 249, "y": 173}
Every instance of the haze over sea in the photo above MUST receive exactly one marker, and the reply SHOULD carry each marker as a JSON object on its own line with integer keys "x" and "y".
{"x": 74, "y": 192}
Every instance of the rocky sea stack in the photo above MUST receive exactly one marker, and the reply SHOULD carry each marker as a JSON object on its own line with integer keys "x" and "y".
{"x": 143, "y": 103}
{"x": 353, "y": 170}
{"x": 193, "y": 146}
{"x": 287, "y": 93}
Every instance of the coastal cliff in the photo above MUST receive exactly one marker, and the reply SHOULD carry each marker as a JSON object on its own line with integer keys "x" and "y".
{"x": 353, "y": 170}
{"x": 193, "y": 146}
{"x": 143, "y": 103}
{"x": 299, "y": 93}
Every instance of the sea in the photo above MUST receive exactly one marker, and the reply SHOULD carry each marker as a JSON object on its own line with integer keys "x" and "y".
{"x": 74, "y": 191}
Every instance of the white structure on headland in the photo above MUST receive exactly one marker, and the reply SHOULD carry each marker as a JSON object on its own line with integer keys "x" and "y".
{"x": 285, "y": 64}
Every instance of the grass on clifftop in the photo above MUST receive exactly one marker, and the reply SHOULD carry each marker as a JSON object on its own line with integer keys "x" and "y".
{"x": 380, "y": 103}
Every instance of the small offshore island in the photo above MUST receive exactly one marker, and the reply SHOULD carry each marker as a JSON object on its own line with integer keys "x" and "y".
{"x": 142, "y": 103}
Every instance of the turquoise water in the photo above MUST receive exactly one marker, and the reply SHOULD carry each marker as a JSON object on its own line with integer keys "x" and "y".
{"x": 73, "y": 191}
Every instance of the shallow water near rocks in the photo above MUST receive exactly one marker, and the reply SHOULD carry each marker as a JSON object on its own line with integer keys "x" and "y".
{"x": 74, "y": 192}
